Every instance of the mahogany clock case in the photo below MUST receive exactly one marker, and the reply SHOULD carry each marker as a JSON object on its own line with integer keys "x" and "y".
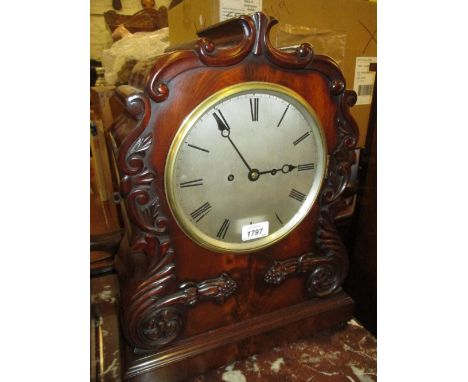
{"x": 184, "y": 307}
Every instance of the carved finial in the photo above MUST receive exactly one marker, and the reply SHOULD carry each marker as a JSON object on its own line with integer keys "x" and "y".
{"x": 302, "y": 56}
{"x": 261, "y": 22}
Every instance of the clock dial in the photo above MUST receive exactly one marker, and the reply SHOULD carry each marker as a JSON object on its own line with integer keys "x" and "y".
{"x": 245, "y": 167}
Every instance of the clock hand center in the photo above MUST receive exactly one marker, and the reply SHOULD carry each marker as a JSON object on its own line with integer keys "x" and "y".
{"x": 253, "y": 175}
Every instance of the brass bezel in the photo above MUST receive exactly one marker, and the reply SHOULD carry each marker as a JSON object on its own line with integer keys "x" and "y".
{"x": 187, "y": 225}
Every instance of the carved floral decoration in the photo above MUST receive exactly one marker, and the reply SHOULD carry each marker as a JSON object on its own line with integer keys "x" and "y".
{"x": 153, "y": 317}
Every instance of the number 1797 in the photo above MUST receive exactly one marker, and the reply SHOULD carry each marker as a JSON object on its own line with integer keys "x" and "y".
{"x": 254, "y": 232}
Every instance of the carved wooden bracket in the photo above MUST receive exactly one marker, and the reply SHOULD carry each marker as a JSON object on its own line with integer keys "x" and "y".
{"x": 164, "y": 319}
{"x": 153, "y": 317}
{"x": 327, "y": 269}
{"x": 323, "y": 275}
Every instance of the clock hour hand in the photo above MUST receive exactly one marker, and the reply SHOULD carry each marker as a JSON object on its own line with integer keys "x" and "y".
{"x": 225, "y": 132}
{"x": 285, "y": 169}
{"x": 222, "y": 125}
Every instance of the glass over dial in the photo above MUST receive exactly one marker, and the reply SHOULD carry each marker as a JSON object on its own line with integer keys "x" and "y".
{"x": 245, "y": 167}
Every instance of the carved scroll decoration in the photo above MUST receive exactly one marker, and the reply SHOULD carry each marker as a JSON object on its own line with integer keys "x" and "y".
{"x": 302, "y": 57}
{"x": 254, "y": 40}
{"x": 323, "y": 278}
{"x": 153, "y": 317}
{"x": 327, "y": 270}
{"x": 332, "y": 201}
{"x": 211, "y": 56}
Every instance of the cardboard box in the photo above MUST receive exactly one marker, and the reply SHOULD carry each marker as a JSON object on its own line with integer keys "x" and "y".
{"x": 356, "y": 18}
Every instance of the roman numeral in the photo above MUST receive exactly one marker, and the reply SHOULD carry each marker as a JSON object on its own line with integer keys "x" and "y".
{"x": 301, "y": 138}
{"x": 279, "y": 123}
{"x": 299, "y": 196}
{"x": 222, "y": 231}
{"x": 198, "y": 148}
{"x": 305, "y": 167}
{"x": 192, "y": 183}
{"x": 254, "y": 109}
{"x": 277, "y": 217}
{"x": 201, "y": 212}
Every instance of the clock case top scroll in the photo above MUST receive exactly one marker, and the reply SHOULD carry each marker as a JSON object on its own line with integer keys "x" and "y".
{"x": 174, "y": 291}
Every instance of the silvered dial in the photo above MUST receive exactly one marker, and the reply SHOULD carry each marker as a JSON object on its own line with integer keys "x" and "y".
{"x": 245, "y": 167}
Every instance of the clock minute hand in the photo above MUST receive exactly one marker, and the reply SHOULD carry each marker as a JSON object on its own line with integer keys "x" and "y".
{"x": 225, "y": 132}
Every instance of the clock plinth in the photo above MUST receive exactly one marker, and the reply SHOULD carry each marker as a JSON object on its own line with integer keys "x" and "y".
{"x": 232, "y": 165}
{"x": 187, "y": 358}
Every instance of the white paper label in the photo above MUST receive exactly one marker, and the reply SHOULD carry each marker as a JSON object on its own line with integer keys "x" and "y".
{"x": 235, "y": 8}
{"x": 364, "y": 80}
{"x": 254, "y": 231}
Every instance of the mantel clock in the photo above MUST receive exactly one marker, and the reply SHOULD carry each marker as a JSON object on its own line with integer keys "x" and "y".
{"x": 232, "y": 162}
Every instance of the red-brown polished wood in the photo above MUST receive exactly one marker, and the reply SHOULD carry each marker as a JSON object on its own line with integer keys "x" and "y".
{"x": 174, "y": 293}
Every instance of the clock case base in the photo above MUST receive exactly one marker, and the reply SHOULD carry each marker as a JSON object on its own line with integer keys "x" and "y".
{"x": 198, "y": 354}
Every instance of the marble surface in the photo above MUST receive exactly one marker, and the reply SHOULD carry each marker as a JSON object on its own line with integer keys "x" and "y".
{"x": 348, "y": 354}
